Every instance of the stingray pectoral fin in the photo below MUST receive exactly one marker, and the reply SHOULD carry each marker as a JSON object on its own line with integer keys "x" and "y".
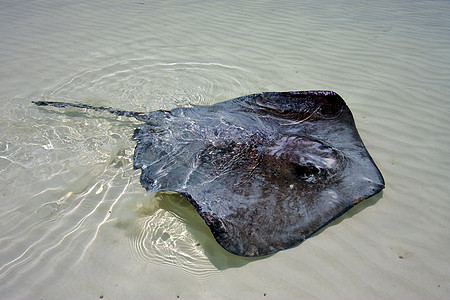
{"x": 275, "y": 199}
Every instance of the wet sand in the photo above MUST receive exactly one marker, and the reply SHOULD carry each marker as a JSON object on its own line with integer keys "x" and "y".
{"x": 75, "y": 222}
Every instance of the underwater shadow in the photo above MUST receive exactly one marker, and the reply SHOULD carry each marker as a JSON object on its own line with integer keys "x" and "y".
{"x": 351, "y": 212}
{"x": 218, "y": 256}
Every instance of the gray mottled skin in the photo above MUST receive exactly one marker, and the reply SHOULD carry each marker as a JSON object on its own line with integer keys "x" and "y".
{"x": 264, "y": 171}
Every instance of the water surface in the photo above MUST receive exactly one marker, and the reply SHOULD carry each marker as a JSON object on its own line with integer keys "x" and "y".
{"x": 74, "y": 220}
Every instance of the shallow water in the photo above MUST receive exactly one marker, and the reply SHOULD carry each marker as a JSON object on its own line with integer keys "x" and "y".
{"x": 74, "y": 220}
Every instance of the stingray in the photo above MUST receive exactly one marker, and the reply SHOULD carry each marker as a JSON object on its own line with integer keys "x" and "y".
{"x": 264, "y": 171}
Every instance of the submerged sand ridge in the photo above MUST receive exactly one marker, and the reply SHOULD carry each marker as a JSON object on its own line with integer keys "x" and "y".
{"x": 74, "y": 218}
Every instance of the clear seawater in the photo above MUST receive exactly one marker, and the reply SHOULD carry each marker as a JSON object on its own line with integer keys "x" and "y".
{"x": 75, "y": 222}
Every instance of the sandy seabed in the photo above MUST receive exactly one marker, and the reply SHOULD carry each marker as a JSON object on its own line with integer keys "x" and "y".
{"x": 75, "y": 222}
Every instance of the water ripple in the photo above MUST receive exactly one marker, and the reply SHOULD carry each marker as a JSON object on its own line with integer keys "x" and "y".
{"x": 145, "y": 84}
{"x": 159, "y": 236}
{"x": 73, "y": 213}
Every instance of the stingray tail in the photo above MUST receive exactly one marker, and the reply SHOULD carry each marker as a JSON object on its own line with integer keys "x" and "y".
{"x": 132, "y": 114}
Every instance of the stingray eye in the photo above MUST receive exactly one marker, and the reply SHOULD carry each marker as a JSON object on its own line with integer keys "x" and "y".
{"x": 331, "y": 105}
{"x": 307, "y": 172}
{"x": 329, "y": 111}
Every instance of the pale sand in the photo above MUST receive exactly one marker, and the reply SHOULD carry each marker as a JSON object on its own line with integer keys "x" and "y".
{"x": 75, "y": 222}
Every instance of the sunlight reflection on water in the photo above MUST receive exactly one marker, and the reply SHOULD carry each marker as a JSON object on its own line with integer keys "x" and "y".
{"x": 75, "y": 221}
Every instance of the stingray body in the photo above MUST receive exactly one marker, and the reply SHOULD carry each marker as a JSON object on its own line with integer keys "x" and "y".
{"x": 264, "y": 171}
